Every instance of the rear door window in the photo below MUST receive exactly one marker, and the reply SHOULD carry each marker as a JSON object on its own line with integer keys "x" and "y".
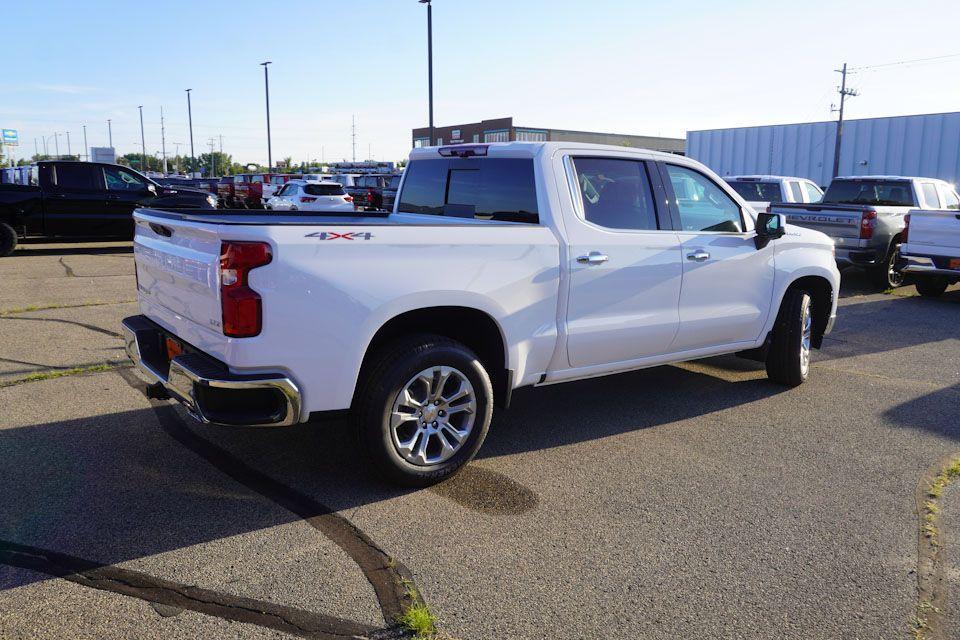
{"x": 951, "y": 200}
{"x": 795, "y": 191}
{"x": 80, "y": 176}
{"x": 119, "y": 180}
{"x": 930, "y": 195}
{"x": 813, "y": 192}
{"x": 616, "y": 193}
{"x": 501, "y": 189}
{"x": 893, "y": 193}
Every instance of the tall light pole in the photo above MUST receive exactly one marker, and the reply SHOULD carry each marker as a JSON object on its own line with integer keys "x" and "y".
{"x": 110, "y": 132}
{"x": 56, "y": 143}
{"x": 143, "y": 140}
{"x": 266, "y": 84}
{"x": 193, "y": 158}
{"x": 163, "y": 141}
{"x": 430, "y": 61}
{"x": 86, "y": 149}
{"x": 69, "y": 152}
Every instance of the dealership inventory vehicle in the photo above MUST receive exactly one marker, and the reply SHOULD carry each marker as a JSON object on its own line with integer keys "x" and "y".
{"x": 761, "y": 191}
{"x": 311, "y": 195}
{"x": 275, "y": 183}
{"x": 368, "y": 189}
{"x": 84, "y": 199}
{"x": 502, "y": 266}
{"x": 864, "y": 217}
{"x": 930, "y": 248}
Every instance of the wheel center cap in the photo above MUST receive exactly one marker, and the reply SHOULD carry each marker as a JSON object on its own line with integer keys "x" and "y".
{"x": 430, "y": 413}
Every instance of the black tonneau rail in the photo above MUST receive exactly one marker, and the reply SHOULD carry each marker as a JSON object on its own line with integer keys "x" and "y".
{"x": 820, "y": 206}
{"x": 253, "y": 217}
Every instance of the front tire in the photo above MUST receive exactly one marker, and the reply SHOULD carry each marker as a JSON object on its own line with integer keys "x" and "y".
{"x": 788, "y": 360}
{"x": 932, "y": 287}
{"x": 8, "y": 239}
{"x": 424, "y": 410}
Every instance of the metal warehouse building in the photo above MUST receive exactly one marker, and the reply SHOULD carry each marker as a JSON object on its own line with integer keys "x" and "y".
{"x": 920, "y": 145}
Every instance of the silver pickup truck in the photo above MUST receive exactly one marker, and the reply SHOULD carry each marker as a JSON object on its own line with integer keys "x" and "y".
{"x": 864, "y": 215}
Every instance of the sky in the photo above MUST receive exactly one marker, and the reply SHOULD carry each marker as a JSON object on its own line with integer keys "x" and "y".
{"x": 623, "y": 66}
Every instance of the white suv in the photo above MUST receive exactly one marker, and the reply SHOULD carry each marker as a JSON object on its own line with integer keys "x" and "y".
{"x": 311, "y": 195}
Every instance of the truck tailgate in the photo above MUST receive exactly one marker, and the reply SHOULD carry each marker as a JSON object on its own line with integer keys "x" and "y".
{"x": 836, "y": 222}
{"x": 177, "y": 265}
{"x": 934, "y": 233}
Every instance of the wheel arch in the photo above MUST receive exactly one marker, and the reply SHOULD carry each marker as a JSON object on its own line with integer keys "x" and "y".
{"x": 470, "y": 326}
{"x": 822, "y": 294}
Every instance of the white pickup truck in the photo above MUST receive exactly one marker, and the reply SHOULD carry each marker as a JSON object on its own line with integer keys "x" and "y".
{"x": 761, "y": 191}
{"x": 931, "y": 249}
{"x": 501, "y": 266}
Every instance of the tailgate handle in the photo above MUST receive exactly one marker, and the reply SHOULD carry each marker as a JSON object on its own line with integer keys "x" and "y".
{"x": 161, "y": 230}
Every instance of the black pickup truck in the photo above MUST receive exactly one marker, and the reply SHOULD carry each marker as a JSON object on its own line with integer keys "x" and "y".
{"x": 84, "y": 200}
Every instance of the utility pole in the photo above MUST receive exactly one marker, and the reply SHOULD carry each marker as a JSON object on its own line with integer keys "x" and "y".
{"x": 69, "y": 152}
{"x": 213, "y": 158}
{"x": 369, "y": 151}
{"x": 844, "y": 92}
{"x": 163, "y": 142}
{"x": 56, "y": 143}
{"x": 36, "y": 147}
{"x": 266, "y": 84}
{"x": 353, "y": 137}
{"x": 430, "y": 61}
{"x": 221, "y": 144}
{"x": 193, "y": 158}
{"x": 143, "y": 141}
{"x": 86, "y": 148}
{"x": 110, "y": 132}
{"x": 176, "y": 155}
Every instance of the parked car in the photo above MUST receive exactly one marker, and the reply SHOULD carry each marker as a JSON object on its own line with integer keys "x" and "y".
{"x": 368, "y": 189}
{"x": 249, "y": 190}
{"x": 348, "y": 180}
{"x": 389, "y": 194}
{"x": 864, "y": 216}
{"x": 84, "y": 199}
{"x": 206, "y": 184}
{"x": 930, "y": 248}
{"x": 275, "y": 182}
{"x": 226, "y": 191}
{"x": 311, "y": 195}
{"x": 573, "y": 261}
{"x": 761, "y": 191}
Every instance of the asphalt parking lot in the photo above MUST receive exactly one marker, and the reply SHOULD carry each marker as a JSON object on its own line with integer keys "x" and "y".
{"x": 691, "y": 501}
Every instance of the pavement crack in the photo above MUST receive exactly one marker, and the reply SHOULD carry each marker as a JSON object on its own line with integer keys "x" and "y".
{"x": 62, "y": 373}
{"x": 392, "y": 582}
{"x": 43, "y": 307}
{"x": 298, "y": 622}
{"x": 84, "y": 325}
{"x": 67, "y": 268}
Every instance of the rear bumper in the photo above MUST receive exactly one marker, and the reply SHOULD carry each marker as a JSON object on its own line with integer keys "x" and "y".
{"x": 205, "y": 387}
{"x": 923, "y": 266}
{"x": 859, "y": 257}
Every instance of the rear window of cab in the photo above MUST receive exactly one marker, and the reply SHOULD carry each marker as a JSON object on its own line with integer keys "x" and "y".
{"x": 500, "y": 189}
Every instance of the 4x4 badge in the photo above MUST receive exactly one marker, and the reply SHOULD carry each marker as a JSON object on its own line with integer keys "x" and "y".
{"x": 332, "y": 235}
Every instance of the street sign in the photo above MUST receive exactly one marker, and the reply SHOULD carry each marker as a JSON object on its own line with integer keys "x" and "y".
{"x": 10, "y": 137}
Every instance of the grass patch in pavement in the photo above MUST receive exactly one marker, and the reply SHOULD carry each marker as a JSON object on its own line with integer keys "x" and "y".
{"x": 44, "y": 307}
{"x": 417, "y": 618}
{"x": 62, "y": 373}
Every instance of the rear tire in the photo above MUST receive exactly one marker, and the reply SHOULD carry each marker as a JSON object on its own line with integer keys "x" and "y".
{"x": 788, "y": 360}
{"x": 932, "y": 287}
{"x": 887, "y": 275}
{"x": 8, "y": 239}
{"x": 424, "y": 410}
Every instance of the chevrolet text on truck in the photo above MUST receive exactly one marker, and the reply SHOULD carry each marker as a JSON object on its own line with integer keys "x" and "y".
{"x": 501, "y": 266}
{"x": 865, "y": 217}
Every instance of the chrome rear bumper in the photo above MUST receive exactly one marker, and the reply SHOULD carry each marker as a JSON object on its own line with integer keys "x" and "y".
{"x": 920, "y": 265}
{"x": 205, "y": 387}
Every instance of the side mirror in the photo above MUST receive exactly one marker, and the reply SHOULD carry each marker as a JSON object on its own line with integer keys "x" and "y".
{"x": 770, "y": 226}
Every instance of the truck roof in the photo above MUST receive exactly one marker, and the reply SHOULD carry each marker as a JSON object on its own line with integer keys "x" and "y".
{"x": 530, "y": 149}
{"x": 759, "y": 177}
{"x": 903, "y": 178}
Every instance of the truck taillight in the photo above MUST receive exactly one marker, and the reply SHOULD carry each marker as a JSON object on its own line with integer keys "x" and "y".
{"x": 241, "y": 305}
{"x": 906, "y": 229}
{"x": 302, "y": 199}
{"x": 868, "y": 220}
{"x": 348, "y": 198}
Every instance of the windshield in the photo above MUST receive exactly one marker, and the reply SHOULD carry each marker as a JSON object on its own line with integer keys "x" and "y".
{"x": 891, "y": 193}
{"x": 754, "y": 190}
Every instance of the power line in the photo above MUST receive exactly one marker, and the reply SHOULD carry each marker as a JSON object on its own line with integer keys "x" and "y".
{"x": 902, "y": 62}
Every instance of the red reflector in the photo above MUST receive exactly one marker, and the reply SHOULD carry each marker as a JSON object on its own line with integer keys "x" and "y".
{"x": 174, "y": 348}
{"x": 241, "y": 305}
{"x": 868, "y": 220}
{"x": 308, "y": 199}
{"x": 348, "y": 198}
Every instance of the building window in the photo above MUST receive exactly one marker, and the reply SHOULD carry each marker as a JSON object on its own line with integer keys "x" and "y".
{"x": 527, "y": 135}
{"x": 476, "y": 137}
{"x": 421, "y": 142}
{"x": 496, "y": 136}
{"x": 439, "y": 141}
{"x": 455, "y": 134}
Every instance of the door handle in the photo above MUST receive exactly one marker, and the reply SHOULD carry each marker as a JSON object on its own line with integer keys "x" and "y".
{"x": 594, "y": 257}
{"x": 698, "y": 256}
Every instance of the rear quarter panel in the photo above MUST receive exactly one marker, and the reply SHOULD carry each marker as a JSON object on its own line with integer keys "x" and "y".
{"x": 326, "y": 296}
